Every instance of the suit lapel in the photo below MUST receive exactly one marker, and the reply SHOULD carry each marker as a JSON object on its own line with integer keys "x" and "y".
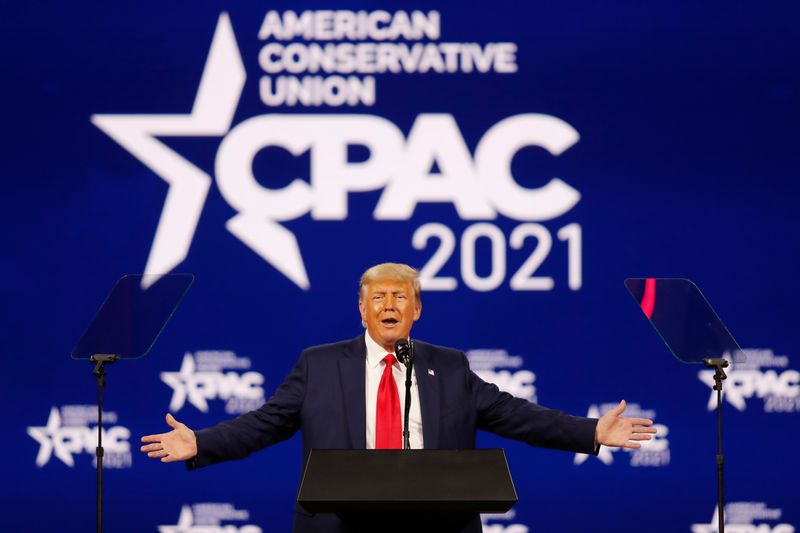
{"x": 428, "y": 386}
{"x": 352, "y": 371}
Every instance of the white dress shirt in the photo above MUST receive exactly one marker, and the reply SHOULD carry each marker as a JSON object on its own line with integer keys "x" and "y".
{"x": 375, "y": 366}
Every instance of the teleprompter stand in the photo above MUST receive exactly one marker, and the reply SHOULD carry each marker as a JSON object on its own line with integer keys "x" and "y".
{"x": 411, "y": 490}
{"x": 99, "y": 371}
{"x": 719, "y": 375}
{"x": 126, "y": 327}
{"x": 694, "y": 334}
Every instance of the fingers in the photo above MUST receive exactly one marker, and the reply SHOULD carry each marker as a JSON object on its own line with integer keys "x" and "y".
{"x": 618, "y": 410}
{"x": 640, "y": 436}
{"x": 155, "y": 451}
{"x": 640, "y": 421}
{"x": 158, "y": 453}
{"x": 174, "y": 424}
{"x": 153, "y": 438}
{"x": 626, "y": 445}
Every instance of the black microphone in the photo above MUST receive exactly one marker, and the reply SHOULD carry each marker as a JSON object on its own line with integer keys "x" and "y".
{"x": 404, "y": 350}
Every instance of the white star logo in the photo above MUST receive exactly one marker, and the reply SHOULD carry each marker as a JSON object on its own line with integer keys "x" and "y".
{"x": 184, "y": 525}
{"x": 183, "y": 384}
{"x": 212, "y": 114}
{"x": 49, "y": 442}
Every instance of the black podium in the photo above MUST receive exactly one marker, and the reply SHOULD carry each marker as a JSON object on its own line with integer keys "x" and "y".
{"x": 440, "y": 490}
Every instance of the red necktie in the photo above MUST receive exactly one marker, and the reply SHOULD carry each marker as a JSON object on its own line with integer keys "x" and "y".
{"x": 388, "y": 431}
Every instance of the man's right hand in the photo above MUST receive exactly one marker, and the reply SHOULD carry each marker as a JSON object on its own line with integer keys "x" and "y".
{"x": 177, "y": 445}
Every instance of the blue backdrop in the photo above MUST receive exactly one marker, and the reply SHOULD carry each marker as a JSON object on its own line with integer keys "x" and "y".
{"x": 528, "y": 157}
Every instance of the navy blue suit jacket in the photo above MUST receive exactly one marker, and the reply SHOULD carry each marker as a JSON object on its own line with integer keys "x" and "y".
{"x": 324, "y": 395}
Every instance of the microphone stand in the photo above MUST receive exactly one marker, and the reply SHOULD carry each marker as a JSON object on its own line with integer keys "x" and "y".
{"x": 404, "y": 349}
{"x": 406, "y": 434}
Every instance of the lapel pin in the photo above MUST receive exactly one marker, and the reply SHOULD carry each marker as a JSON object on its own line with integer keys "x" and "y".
{"x": 431, "y": 372}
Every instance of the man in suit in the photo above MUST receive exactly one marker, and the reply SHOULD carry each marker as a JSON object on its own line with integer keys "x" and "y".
{"x": 346, "y": 395}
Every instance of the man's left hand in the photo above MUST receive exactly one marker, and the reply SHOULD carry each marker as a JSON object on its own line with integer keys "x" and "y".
{"x": 613, "y": 429}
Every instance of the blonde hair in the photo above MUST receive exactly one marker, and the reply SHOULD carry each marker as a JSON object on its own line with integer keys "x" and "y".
{"x": 390, "y": 271}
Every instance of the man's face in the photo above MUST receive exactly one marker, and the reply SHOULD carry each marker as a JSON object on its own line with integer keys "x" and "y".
{"x": 389, "y": 309}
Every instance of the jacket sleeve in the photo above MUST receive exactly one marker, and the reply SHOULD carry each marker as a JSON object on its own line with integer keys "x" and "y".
{"x": 518, "y": 419}
{"x": 275, "y": 421}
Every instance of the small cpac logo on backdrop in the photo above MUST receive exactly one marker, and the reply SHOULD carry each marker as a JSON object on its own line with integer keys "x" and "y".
{"x": 67, "y": 432}
{"x": 779, "y": 386}
{"x": 504, "y": 370}
{"x": 479, "y": 186}
{"x": 215, "y": 375}
{"x": 653, "y": 452}
{"x": 208, "y": 518}
{"x": 502, "y": 523}
{"x": 746, "y": 517}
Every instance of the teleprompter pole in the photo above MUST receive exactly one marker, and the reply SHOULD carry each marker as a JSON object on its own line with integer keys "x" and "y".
{"x": 719, "y": 374}
{"x": 99, "y": 371}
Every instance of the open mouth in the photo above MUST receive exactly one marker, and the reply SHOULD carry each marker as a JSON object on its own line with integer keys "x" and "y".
{"x": 389, "y": 322}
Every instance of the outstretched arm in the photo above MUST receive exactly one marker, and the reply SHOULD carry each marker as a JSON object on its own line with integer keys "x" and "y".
{"x": 176, "y": 445}
{"x": 613, "y": 429}
{"x": 276, "y": 420}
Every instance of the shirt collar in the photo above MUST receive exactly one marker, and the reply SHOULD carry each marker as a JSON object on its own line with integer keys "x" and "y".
{"x": 375, "y": 352}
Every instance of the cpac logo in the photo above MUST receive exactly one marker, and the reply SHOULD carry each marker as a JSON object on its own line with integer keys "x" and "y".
{"x": 63, "y": 441}
{"x": 519, "y": 383}
{"x": 242, "y": 392}
{"x": 653, "y": 452}
{"x": 490, "y": 366}
{"x": 501, "y": 527}
{"x": 780, "y": 389}
{"x": 479, "y": 187}
{"x": 209, "y": 516}
{"x": 505, "y": 528}
{"x": 740, "y": 517}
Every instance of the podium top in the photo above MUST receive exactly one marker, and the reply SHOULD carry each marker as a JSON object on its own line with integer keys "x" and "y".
{"x": 133, "y": 315}
{"x": 684, "y": 319}
{"x": 450, "y": 481}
